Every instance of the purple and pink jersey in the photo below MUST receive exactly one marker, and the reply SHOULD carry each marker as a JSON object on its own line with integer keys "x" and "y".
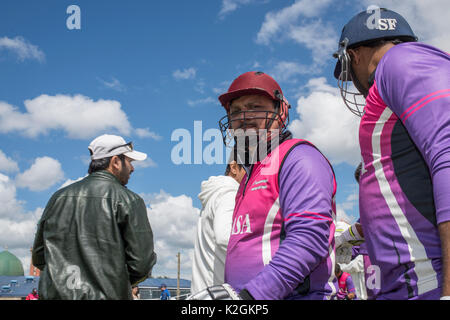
{"x": 282, "y": 240}
{"x": 405, "y": 182}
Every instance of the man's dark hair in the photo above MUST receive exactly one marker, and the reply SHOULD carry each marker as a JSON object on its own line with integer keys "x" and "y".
{"x": 337, "y": 269}
{"x": 358, "y": 172}
{"x": 382, "y": 42}
{"x": 103, "y": 164}
{"x": 228, "y": 169}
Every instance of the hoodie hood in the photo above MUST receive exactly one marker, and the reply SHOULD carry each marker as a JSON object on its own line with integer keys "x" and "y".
{"x": 216, "y": 185}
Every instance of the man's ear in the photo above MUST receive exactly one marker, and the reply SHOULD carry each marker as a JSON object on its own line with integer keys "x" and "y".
{"x": 114, "y": 163}
{"x": 354, "y": 55}
{"x": 234, "y": 168}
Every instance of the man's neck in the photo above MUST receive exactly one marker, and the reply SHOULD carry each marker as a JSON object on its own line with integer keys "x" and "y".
{"x": 377, "y": 55}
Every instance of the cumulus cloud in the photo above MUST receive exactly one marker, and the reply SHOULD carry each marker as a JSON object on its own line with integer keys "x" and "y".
{"x": 17, "y": 226}
{"x": 43, "y": 173}
{"x": 324, "y": 120}
{"x": 299, "y": 23}
{"x": 70, "y": 181}
{"x": 284, "y": 71}
{"x": 277, "y": 21}
{"x": 147, "y": 163}
{"x": 184, "y": 74}
{"x": 173, "y": 220}
{"x": 22, "y": 48}
{"x": 79, "y": 116}
{"x": 229, "y": 6}
{"x": 114, "y": 84}
{"x": 146, "y": 133}
{"x": 208, "y": 100}
{"x": 7, "y": 164}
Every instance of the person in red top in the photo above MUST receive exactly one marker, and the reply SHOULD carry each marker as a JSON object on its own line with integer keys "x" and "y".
{"x": 33, "y": 295}
{"x": 346, "y": 286}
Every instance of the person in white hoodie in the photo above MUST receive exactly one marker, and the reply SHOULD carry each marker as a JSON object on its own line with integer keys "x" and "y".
{"x": 217, "y": 195}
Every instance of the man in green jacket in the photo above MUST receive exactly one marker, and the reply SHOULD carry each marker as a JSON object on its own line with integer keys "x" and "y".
{"x": 94, "y": 240}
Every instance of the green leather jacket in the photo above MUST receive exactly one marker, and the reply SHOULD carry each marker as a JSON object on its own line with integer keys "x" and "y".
{"x": 93, "y": 241}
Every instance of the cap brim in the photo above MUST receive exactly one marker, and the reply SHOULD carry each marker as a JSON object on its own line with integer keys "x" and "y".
{"x": 227, "y": 97}
{"x": 136, "y": 155}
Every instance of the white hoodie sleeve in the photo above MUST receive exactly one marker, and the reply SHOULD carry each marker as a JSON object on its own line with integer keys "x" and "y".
{"x": 223, "y": 215}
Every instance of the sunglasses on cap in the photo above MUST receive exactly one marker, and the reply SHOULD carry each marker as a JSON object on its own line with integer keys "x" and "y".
{"x": 129, "y": 144}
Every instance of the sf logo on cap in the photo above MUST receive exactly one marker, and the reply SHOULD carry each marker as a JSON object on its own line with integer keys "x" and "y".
{"x": 374, "y": 21}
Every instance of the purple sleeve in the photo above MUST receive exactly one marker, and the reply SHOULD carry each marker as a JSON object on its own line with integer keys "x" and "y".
{"x": 355, "y": 251}
{"x": 350, "y": 284}
{"x": 306, "y": 190}
{"x": 413, "y": 79}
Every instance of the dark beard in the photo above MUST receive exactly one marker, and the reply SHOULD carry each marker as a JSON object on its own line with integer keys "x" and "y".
{"x": 251, "y": 152}
{"x": 123, "y": 177}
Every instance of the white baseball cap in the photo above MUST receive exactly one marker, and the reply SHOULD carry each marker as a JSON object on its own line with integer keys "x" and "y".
{"x": 108, "y": 145}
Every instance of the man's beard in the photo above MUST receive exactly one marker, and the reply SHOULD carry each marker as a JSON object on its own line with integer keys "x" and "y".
{"x": 123, "y": 176}
{"x": 254, "y": 146}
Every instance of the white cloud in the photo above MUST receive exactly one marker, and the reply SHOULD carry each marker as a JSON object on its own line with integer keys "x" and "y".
{"x": 325, "y": 121}
{"x": 22, "y": 48}
{"x": 70, "y": 181}
{"x": 10, "y": 206}
{"x": 299, "y": 23}
{"x": 341, "y": 215}
{"x": 17, "y": 226}
{"x": 428, "y": 19}
{"x": 229, "y": 6}
{"x": 184, "y": 74}
{"x": 43, "y": 173}
{"x": 208, "y": 100}
{"x": 146, "y": 133}
{"x": 282, "y": 20}
{"x": 348, "y": 205}
{"x": 79, "y": 116}
{"x": 222, "y": 87}
{"x": 113, "y": 84}
{"x": 321, "y": 38}
{"x": 173, "y": 220}
{"x": 7, "y": 164}
{"x": 287, "y": 70}
{"x": 145, "y": 163}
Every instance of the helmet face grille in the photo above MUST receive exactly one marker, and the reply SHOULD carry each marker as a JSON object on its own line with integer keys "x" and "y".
{"x": 353, "y": 99}
{"x": 244, "y": 124}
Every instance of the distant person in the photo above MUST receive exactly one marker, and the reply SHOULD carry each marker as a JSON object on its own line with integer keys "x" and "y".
{"x": 94, "y": 240}
{"x": 135, "y": 293}
{"x": 165, "y": 293}
{"x": 33, "y": 295}
{"x": 346, "y": 286}
{"x": 214, "y": 227}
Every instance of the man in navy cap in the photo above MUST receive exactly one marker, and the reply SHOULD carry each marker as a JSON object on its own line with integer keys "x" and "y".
{"x": 405, "y": 147}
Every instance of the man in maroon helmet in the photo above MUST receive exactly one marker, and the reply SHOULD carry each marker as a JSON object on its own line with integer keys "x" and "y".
{"x": 281, "y": 242}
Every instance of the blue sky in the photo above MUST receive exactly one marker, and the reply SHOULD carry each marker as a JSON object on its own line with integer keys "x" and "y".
{"x": 142, "y": 69}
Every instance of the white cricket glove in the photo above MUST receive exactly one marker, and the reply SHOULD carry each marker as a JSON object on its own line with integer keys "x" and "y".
{"x": 350, "y": 236}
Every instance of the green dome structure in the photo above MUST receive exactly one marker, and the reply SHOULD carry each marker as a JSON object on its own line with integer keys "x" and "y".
{"x": 10, "y": 265}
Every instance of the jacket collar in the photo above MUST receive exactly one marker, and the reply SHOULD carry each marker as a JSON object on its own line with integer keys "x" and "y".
{"x": 104, "y": 174}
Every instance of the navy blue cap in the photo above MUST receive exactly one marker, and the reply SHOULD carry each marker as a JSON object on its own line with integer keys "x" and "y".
{"x": 364, "y": 28}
